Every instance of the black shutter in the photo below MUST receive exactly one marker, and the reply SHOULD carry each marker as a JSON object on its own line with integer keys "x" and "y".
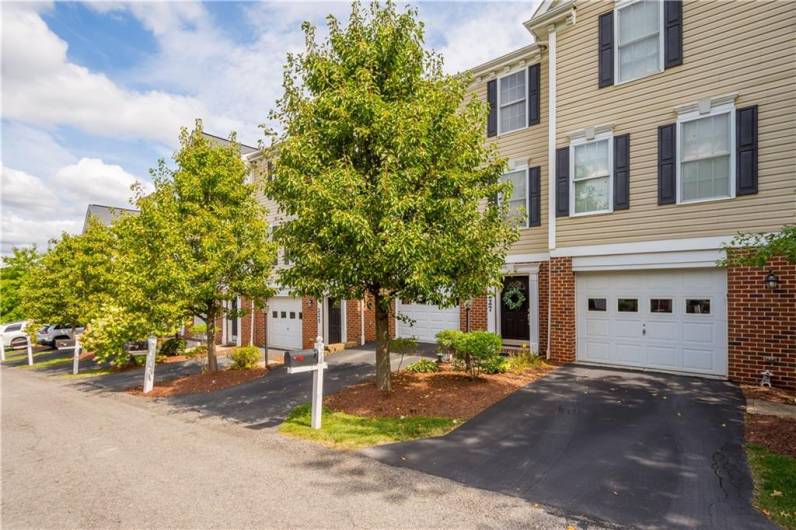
{"x": 491, "y": 99}
{"x": 605, "y": 72}
{"x": 667, "y": 160}
{"x": 534, "y": 94}
{"x": 562, "y": 182}
{"x": 622, "y": 172}
{"x": 672, "y": 33}
{"x": 746, "y": 151}
{"x": 535, "y": 196}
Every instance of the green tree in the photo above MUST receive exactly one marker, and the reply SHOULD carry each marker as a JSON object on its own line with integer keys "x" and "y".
{"x": 72, "y": 280}
{"x": 383, "y": 173}
{"x": 12, "y": 275}
{"x": 757, "y": 249}
{"x": 203, "y": 234}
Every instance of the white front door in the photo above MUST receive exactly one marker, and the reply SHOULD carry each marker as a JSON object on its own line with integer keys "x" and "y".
{"x": 284, "y": 325}
{"x": 673, "y": 320}
{"x": 427, "y": 320}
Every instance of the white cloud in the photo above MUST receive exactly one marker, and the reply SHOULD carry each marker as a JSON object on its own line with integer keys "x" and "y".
{"x": 21, "y": 232}
{"x": 92, "y": 181}
{"x": 26, "y": 193}
{"x": 42, "y": 86}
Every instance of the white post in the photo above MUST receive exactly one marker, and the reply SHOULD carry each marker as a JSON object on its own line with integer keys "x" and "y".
{"x": 317, "y": 386}
{"x": 30, "y": 353}
{"x": 76, "y": 358}
{"x": 149, "y": 369}
{"x": 2, "y": 349}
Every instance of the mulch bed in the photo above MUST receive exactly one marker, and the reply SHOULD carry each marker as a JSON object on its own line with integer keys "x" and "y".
{"x": 775, "y": 395}
{"x": 199, "y": 383}
{"x": 772, "y": 432}
{"x": 443, "y": 394}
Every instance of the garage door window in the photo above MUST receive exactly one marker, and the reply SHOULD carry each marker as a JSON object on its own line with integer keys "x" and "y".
{"x": 274, "y": 314}
{"x": 292, "y": 315}
{"x": 627, "y": 305}
{"x": 597, "y": 304}
{"x": 660, "y": 305}
{"x": 698, "y": 306}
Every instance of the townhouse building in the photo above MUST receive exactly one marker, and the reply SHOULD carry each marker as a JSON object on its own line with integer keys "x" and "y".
{"x": 641, "y": 136}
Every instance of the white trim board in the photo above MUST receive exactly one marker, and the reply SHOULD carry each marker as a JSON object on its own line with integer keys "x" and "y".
{"x": 665, "y": 245}
{"x": 527, "y": 258}
{"x": 661, "y": 260}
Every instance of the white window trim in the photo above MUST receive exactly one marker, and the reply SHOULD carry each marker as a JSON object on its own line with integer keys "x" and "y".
{"x": 685, "y": 117}
{"x": 524, "y": 168}
{"x": 582, "y": 141}
{"x": 661, "y": 45}
{"x": 524, "y": 69}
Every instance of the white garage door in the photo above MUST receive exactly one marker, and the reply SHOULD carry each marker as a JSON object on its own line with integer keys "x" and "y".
{"x": 284, "y": 322}
{"x": 428, "y": 320}
{"x": 661, "y": 320}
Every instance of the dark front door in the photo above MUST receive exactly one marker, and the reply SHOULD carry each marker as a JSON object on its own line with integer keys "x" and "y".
{"x": 335, "y": 321}
{"x": 234, "y": 320}
{"x": 514, "y": 300}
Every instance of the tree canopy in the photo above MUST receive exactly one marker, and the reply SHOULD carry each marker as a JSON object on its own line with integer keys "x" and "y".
{"x": 383, "y": 173}
{"x": 12, "y": 275}
{"x": 760, "y": 248}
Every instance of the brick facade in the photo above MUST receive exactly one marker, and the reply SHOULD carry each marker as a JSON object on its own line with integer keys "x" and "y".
{"x": 562, "y": 332}
{"x": 478, "y": 315}
{"x": 543, "y": 297}
{"x": 762, "y": 324}
{"x": 309, "y": 324}
{"x": 353, "y": 323}
{"x": 370, "y": 319}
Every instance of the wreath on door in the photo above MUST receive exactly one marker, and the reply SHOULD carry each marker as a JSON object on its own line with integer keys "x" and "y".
{"x": 513, "y": 296}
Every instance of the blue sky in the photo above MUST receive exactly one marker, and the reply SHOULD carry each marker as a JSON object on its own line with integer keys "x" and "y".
{"x": 94, "y": 93}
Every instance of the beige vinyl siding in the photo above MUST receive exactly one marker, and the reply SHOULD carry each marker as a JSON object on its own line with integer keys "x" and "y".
{"x": 528, "y": 145}
{"x": 747, "y": 48}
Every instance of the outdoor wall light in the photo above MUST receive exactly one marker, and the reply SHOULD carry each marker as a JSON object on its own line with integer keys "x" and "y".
{"x": 772, "y": 280}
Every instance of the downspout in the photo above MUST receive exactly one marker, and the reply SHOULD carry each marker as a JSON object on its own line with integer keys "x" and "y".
{"x": 551, "y": 171}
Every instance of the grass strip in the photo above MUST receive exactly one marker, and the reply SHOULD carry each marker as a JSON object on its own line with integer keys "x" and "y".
{"x": 345, "y": 431}
{"x": 775, "y": 484}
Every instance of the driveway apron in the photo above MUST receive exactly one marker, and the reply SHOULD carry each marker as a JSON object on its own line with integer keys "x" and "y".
{"x": 632, "y": 448}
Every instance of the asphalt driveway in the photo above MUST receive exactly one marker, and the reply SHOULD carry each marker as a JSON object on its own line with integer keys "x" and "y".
{"x": 635, "y": 449}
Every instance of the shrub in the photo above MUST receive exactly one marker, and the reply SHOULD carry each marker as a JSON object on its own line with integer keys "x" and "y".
{"x": 245, "y": 357}
{"x": 478, "y": 348}
{"x": 446, "y": 340}
{"x": 494, "y": 365}
{"x": 423, "y": 366}
{"x": 172, "y": 347}
{"x": 522, "y": 359}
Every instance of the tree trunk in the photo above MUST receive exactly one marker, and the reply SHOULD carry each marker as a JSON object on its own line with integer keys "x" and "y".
{"x": 212, "y": 361}
{"x": 382, "y": 342}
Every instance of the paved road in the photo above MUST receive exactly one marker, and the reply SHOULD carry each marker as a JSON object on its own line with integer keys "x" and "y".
{"x": 72, "y": 458}
{"x": 646, "y": 450}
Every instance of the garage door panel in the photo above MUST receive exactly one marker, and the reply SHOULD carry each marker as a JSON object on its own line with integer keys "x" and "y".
{"x": 698, "y": 360}
{"x": 426, "y": 320}
{"x": 662, "y": 357}
{"x": 285, "y": 322}
{"x": 662, "y": 335}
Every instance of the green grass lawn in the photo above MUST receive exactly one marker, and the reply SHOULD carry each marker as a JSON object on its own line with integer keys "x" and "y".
{"x": 58, "y": 361}
{"x": 775, "y": 484}
{"x": 90, "y": 372}
{"x": 345, "y": 431}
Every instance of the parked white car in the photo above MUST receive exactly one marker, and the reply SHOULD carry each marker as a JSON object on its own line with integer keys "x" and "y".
{"x": 14, "y": 334}
{"x": 49, "y": 334}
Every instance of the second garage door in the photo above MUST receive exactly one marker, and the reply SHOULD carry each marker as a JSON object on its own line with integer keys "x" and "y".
{"x": 660, "y": 320}
{"x": 428, "y": 320}
{"x": 284, "y": 322}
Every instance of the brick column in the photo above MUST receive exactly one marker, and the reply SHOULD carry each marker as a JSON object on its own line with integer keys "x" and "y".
{"x": 562, "y": 281}
{"x": 370, "y": 319}
{"x": 353, "y": 323}
{"x": 245, "y": 321}
{"x": 309, "y": 322}
{"x": 761, "y": 324}
{"x": 478, "y": 316}
{"x": 260, "y": 323}
{"x": 544, "y": 275}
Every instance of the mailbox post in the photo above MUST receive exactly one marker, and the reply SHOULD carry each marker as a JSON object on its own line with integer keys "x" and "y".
{"x": 310, "y": 361}
{"x": 76, "y": 356}
{"x": 2, "y": 349}
{"x": 30, "y": 352}
{"x": 149, "y": 369}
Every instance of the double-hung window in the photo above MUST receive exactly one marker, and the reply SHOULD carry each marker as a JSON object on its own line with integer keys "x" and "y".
{"x": 706, "y": 158}
{"x": 591, "y": 163}
{"x": 518, "y": 204}
{"x": 512, "y": 102}
{"x": 639, "y": 39}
